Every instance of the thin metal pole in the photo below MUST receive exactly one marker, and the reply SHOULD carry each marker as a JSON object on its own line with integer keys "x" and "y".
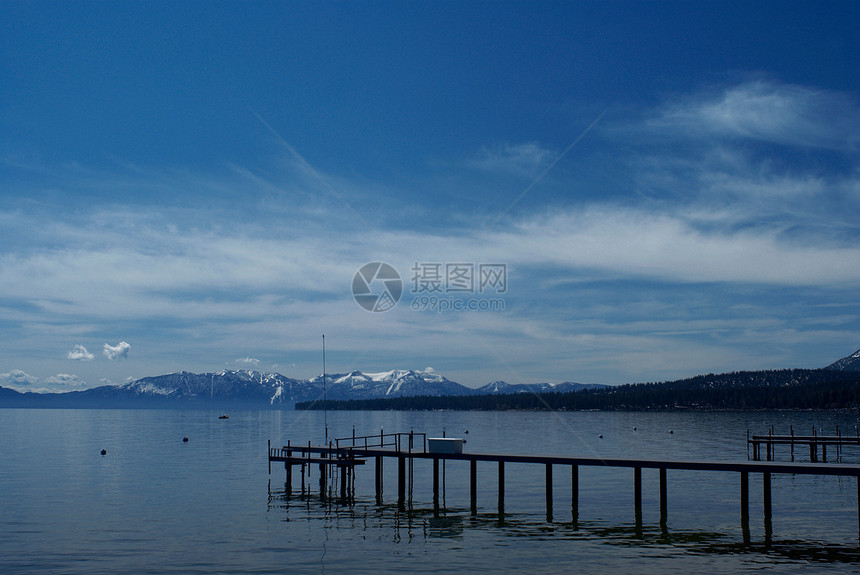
{"x": 325, "y": 394}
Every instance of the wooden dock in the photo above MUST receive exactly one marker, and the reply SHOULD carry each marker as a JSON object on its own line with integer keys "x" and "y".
{"x": 407, "y": 447}
{"x": 837, "y": 443}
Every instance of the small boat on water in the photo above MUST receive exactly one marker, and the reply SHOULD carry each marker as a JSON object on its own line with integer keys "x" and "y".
{"x": 225, "y": 416}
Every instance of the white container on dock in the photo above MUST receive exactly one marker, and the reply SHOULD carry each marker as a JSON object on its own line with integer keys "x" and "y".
{"x": 445, "y": 444}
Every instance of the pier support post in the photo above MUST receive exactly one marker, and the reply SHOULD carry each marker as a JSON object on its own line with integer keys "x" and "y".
{"x": 574, "y": 494}
{"x": 303, "y": 478}
{"x": 637, "y": 498}
{"x": 322, "y": 481}
{"x": 745, "y": 505}
{"x": 858, "y": 504}
{"x": 637, "y": 489}
{"x": 435, "y": 483}
{"x": 664, "y": 494}
{"x": 501, "y": 489}
{"x": 549, "y": 492}
{"x": 401, "y": 481}
{"x": 378, "y": 480}
{"x": 288, "y": 484}
{"x": 768, "y": 521}
{"x": 473, "y": 485}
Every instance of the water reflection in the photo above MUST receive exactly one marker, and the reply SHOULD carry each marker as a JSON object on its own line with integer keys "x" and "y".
{"x": 396, "y": 524}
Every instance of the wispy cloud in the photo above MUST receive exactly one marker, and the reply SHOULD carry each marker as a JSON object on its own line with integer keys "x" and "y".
{"x": 769, "y": 112}
{"x": 525, "y": 159}
{"x": 704, "y": 213}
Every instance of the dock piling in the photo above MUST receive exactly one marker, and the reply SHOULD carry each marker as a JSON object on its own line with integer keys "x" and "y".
{"x": 473, "y": 486}
{"x": 768, "y": 517}
{"x": 501, "y": 489}
{"x": 664, "y": 494}
{"x": 435, "y": 483}
{"x": 637, "y": 489}
{"x": 401, "y": 481}
{"x": 378, "y": 478}
{"x": 574, "y": 494}
{"x": 549, "y": 492}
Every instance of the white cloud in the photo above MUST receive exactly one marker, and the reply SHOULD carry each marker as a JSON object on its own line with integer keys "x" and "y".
{"x": 24, "y": 382}
{"x": 64, "y": 382}
{"x": 118, "y": 351}
{"x": 668, "y": 247}
{"x": 248, "y": 360}
{"x": 17, "y": 379}
{"x": 80, "y": 353}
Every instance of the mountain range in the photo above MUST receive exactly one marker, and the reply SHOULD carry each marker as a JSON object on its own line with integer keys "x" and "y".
{"x": 250, "y": 389}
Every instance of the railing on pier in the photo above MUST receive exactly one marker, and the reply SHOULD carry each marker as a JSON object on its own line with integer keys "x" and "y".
{"x": 348, "y": 457}
{"x": 770, "y": 441}
{"x": 381, "y": 439}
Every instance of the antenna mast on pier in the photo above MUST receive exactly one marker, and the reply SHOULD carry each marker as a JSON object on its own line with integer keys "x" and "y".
{"x": 325, "y": 395}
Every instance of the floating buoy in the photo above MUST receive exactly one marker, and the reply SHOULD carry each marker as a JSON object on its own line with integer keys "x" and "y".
{"x": 104, "y": 452}
{"x": 600, "y": 436}
{"x": 634, "y": 429}
{"x": 671, "y": 432}
{"x": 184, "y": 440}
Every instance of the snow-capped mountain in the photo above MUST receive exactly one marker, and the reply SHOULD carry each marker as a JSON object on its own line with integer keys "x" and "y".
{"x": 254, "y": 387}
{"x": 394, "y": 383}
{"x": 847, "y": 363}
{"x": 240, "y": 386}
{"x": 505, "y": 387}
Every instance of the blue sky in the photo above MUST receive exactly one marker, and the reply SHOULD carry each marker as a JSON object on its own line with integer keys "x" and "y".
{"x": 671, "y": 187}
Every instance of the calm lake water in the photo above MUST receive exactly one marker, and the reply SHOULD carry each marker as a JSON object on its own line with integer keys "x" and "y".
{"x": 156, "y": 504}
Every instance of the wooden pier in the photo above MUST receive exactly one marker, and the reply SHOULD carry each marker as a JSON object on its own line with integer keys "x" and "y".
{"x": 406, "y": 447}
{"x": 837, "y": 443}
